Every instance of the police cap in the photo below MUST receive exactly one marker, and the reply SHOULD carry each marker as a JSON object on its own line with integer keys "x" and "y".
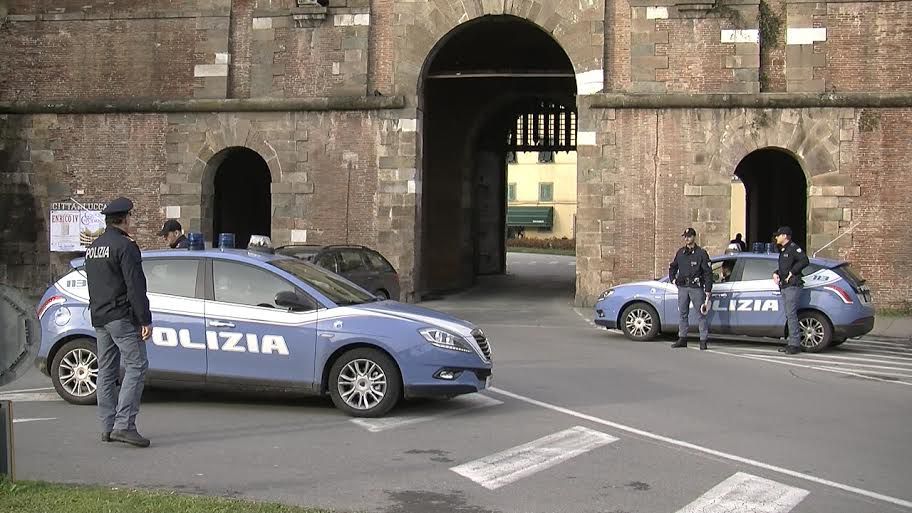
{"x": 171, "y": 225}
{"x": 690, "y": 232}
{"x": 119, "y": 206}
{"x": 783, "y": 230}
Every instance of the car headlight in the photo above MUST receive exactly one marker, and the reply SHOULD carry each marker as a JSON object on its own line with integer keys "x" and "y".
{"x": 605, "y": 294}
{"x": 445, "y": 339}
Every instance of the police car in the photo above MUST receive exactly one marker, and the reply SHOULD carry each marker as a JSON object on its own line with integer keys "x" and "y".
{"x": 246, "y": 319}
{"x": 835, "y": 303}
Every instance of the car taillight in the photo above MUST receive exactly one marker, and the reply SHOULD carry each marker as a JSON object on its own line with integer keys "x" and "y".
{"x": 843, "y": 295}
{"x": 51, "y": 301}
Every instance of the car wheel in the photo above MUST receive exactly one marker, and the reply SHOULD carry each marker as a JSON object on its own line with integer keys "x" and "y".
{"x": 815, "y": 330}
{"x": 365, "y": 382}
{"x": 640, "y": 321}
{"x": 74, "y": 371}
{"x": 382, "y": 294}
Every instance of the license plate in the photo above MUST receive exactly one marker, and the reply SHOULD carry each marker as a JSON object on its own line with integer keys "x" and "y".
{"x": 488, "y": 381}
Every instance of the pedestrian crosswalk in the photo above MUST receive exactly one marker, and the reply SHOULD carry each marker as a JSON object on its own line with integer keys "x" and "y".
{"x": 876, "y": 359}
{"x": 739, "y": 493}
{"x": 510, "y": 465}
{"x": 744, "y": 493}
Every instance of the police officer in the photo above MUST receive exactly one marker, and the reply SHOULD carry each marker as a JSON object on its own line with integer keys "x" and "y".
{"x": 122, "y": 320}
{"x": 792, "y": 260}
{"x": 173, "y": 233}
{"x": 691, "y": 272}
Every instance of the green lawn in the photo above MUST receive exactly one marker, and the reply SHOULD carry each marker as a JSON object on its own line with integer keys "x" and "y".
{"x": 39, "y": 497}
{"x": 544, "y": 251}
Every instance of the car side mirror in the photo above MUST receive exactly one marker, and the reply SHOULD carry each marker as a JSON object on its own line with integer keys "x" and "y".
{"x": 292, "y": 301}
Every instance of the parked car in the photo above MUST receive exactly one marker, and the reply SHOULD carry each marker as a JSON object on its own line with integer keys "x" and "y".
{"x": 359, "y": 264}
{"x": 256, "y": 320}
{"x": 835, "y": 303}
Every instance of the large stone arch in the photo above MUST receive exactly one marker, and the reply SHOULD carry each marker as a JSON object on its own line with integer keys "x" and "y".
{"x": 195, "y": 145}
{"x": 576, "y": 25}
{"x": 812, "y": 137}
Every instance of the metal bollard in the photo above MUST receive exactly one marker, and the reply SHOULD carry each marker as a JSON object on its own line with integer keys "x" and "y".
{"x": 7, "y": 467}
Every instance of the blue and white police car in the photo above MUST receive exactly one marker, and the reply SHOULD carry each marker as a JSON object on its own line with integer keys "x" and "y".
{"x": 242, "y": 319}
{"x": 835, "y": 303}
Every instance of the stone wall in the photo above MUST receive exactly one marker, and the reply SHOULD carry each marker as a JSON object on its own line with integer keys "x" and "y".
{"x": 652, "y": 171}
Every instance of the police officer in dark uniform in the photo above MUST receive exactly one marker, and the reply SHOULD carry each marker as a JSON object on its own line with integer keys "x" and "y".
{"x": 173, "y": 233}
{"x": 691, "y": 272}
{"x": 122, "y": 320}
{"x": 792, "y": 260}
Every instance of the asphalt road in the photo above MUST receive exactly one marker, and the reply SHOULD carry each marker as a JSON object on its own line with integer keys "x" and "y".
{"x": 580, "y": 420}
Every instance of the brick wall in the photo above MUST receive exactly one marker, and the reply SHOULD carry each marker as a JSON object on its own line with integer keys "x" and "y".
{"x": 99, "y": 58}
{"x": 678, "y": 51}
{"x": 239, "y": 42}
{"x": 380, "y": 73}
{"x": 881, "y": 251}
{"x": 868, "y": 46}
{"x": 60, "y": 156}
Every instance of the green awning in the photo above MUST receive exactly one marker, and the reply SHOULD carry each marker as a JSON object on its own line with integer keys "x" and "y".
{"x": 542, "y": 217}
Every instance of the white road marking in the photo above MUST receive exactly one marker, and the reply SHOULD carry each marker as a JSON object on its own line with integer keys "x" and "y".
{"x": 553, "y": 262}
{"x": 783, "y": 361}
{"x": 883, "y": 343}
{"x": 471, "y": 402}
{"x": 521, "y": 461}
{"x": 26, "y": 390}
{"x": 31, "y": 397}
{"x": 879, "y": 373}
{"x": 874, "y": 358}
{"x": 744, "y": 493}
{"x": 34, "y": 420}
{"x": 572, "y": 264}
{"x": 859, "y": 366}
{"x": 706, "y": 450}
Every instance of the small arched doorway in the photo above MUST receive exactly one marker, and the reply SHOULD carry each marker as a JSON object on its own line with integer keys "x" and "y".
{"x": 477, "y": 85}
{"x": 775, "y": 194}
{"x": 237, "y": 195}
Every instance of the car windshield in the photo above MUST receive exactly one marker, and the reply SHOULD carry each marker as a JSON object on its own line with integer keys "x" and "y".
{"x": 333, "y": 287}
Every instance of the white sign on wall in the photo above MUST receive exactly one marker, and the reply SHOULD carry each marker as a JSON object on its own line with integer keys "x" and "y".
{"x": 75, "y": 226}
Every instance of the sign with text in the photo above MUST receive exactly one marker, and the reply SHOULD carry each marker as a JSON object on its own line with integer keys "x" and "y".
{"x": 75, "y": 226}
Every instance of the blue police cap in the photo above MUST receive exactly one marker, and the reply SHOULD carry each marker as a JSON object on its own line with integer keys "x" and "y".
{"x": 119, "y": 206}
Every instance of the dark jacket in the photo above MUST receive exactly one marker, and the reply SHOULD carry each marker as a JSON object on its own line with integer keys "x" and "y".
{"x": 690, "y": 268}
{"x": 792, "y": 259}
{"x": 117, "y": 284}
{"x": 181, "y": 243}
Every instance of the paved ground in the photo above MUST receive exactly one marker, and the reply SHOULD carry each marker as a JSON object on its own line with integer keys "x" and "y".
{"x": 580, "y": 420}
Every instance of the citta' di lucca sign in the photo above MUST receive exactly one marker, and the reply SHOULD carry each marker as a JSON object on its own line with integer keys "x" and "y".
{"x": 74, "y": 226}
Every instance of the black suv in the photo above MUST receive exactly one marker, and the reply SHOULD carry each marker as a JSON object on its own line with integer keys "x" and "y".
{"x": 363, "y": 266}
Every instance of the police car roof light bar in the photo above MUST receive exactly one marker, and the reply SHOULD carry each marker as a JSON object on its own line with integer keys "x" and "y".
{"x": 260, "y": 243}
{"x": 197, "y": 242}
{"x": 226, "y": 241}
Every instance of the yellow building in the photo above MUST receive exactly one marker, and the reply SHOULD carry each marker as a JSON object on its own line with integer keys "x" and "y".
{"x": 541, "y": 194}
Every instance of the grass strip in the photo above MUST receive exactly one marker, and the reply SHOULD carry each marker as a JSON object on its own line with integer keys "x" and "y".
{"x": 41, "y": 497}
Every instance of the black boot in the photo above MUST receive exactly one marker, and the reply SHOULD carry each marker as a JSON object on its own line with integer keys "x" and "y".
{"x": 129, "y": 437}
{"x": 682, "y": 342}
{"x": 106, "y": 436}
{"x": 790, "y": 350}
{"x": 702, "y": 345}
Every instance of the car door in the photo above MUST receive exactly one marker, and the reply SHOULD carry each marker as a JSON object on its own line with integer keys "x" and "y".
{"x": 720, "y": 315}
{"x": 387, "y": 276}
{"x": 328, "y": 261}
{"x": 175, "y": 289}
{"x": 353, "y": 266}
{"x": 756, "y": 300}
{"x": 251, "y": 340}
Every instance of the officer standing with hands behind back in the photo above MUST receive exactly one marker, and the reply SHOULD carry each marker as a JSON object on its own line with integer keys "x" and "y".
{"x": 122, "y": 320}
{"x": 792, "y": 260}
{"x": 691, "y": 272}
